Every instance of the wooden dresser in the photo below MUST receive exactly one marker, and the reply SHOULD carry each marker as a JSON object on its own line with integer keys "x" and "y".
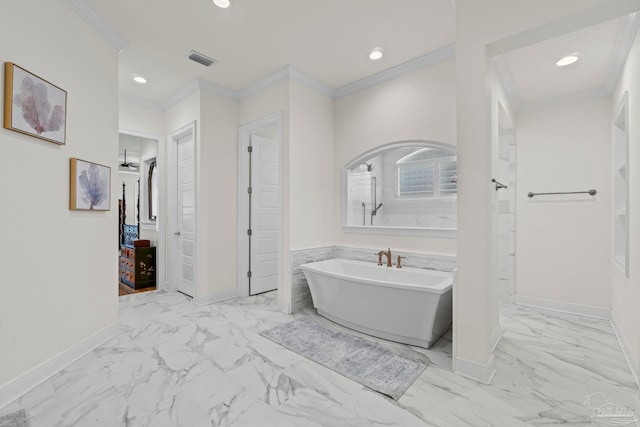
{"x": 138, "y": 266}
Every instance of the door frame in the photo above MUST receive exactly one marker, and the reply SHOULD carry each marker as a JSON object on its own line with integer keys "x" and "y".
{"x": 161, "y": 244}
{"x": 171, "y": 223}
{"x": 244, "y": 140}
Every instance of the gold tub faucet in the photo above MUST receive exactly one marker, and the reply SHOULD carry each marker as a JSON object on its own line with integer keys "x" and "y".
{"x": 387, "y": 254}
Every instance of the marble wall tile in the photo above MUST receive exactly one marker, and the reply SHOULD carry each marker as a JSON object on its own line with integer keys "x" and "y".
{"x": 506, "y": 214}
{"x": 300, "y": 294}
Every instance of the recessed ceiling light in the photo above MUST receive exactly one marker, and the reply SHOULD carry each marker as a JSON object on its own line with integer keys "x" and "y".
{"x": 567, "y": 60}
{"x": 140, "y": 79}
{"x": 375, "y": 54}
{"x": 222, "y": 3}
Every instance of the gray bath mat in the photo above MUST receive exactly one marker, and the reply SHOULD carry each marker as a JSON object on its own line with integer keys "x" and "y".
{"x": 15, "y": 419}
{"x": 361, "y": 360}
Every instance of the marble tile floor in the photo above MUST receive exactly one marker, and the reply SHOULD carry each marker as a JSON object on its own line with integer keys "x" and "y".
{"x": 178, "y": 364}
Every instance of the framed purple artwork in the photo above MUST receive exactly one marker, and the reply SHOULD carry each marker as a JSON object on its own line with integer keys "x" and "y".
{"x": 34, "y": 106}
{"x": 90, "y": 186}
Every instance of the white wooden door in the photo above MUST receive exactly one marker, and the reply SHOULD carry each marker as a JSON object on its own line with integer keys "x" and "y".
{"x": 265, "y": 215}
{"x": 186, "y": 205}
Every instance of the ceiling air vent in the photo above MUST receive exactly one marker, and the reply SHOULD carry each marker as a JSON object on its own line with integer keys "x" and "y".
{"x": 200, "y": 58}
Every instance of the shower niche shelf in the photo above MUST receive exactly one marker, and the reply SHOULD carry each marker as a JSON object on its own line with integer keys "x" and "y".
{"x": 620, "y": 186}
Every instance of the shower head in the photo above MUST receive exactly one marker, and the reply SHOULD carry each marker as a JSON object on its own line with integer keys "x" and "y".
{"x": 370, "y": 167}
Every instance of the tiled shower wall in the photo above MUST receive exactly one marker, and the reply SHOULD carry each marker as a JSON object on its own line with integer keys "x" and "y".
{"x": 506, "y": 215}
{"x": 300, "y": 294}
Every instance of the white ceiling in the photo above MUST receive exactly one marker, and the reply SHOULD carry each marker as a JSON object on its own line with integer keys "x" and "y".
{"x": 329, "y": 41}
{"x": 537, "y": 77}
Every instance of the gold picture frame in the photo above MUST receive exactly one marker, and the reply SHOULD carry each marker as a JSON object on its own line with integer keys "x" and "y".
{"x": 34, "y": 106}
{"x": 89, "y": 186}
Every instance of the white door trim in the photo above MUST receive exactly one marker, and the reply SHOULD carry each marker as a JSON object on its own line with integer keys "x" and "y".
{"x": 171, "y": 225}
{"x": 161, "y": 245}
{"x": 244, "y": 140}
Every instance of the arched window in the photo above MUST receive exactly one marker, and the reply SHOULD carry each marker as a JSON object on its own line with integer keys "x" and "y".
{"x": 427, "y": 173}
{"x": 405, "y": 187}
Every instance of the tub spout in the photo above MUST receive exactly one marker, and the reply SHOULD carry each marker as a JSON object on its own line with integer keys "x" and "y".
{"x": 387, "y": 254}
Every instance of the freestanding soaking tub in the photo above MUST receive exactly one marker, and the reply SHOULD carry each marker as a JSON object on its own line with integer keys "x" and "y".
{"x": 406, "y": 305}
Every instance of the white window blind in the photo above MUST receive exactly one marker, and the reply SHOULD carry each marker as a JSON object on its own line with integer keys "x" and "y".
{"x": 426, "y": 178}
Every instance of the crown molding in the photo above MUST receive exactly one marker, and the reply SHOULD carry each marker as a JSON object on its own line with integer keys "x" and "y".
{"x": 290, "y": 72}
{"x": 559, "y": 101}
{"x": 621, "y": 49}
{"x": 444, "y": 54}
{"x": 505, "y": 77}
{"x": 210, "y": 87}
{"x": 207, "y": 86}
{"x": 99, "y": 24}
{"x": 311, "y": 82}
{"x": 285, "y": 72}
{"x": 193, "y": 86}
{"x": 271, "y": 79}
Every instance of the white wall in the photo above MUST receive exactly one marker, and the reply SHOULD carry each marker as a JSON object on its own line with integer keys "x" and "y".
{"x": 183, "y": 113}
{"x": 418, "y": 105}
{"x": 59, "y": 267}
{"x": 626, "y": 291}
{"x": 563, "y": 242}
{"x": 140, "y": 120}
{"x": 216, "y": 195}
{"x": 272, "y": 99}
{"x": 311, "y": 201}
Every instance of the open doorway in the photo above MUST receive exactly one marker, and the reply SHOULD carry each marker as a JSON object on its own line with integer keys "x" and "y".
{"x": 561, "y": 92}
{"x": 139, "y": 194}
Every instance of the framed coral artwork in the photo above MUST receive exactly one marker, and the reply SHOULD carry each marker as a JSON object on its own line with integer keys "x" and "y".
{"x": 33, "y": 106}
{"x": 90, "y": 186}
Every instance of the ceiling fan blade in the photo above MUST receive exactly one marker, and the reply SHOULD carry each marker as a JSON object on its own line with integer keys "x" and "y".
{"x": 126, "y": 164}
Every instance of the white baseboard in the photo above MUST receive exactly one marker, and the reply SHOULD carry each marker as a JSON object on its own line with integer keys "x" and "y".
{"x": 564, "y": 307}
{"x": 285, "y": 307}
{"x": 35, "y": 376}
{"x": 474, "y": 370}
{"x": 217, "y": 297}
{"x": 632, "y": 361}
{"x": 496, "y": 337}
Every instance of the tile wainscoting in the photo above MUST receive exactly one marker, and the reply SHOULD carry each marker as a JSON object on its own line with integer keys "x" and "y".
{"x": 300, "y": 294}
